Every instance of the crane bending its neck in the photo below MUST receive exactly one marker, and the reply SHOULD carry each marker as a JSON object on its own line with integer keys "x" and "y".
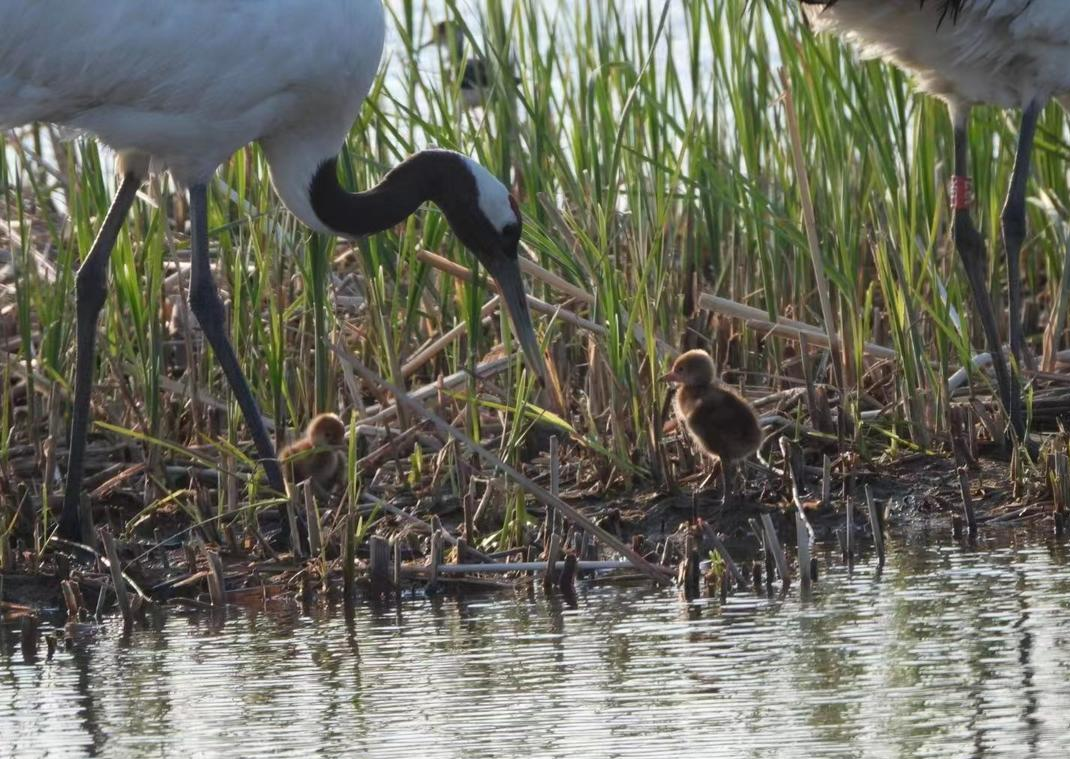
{"x": 479, "y": 209}
{"x": 394, "y": 199}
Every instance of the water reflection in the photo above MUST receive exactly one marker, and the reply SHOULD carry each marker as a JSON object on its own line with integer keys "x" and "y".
{"x": 954, "y": 651}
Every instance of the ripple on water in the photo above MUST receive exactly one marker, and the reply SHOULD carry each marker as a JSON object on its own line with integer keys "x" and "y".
{"x": 947, "y": 653}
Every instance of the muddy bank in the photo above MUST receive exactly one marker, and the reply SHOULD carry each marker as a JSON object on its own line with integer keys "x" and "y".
{"x": 167, "y": 562}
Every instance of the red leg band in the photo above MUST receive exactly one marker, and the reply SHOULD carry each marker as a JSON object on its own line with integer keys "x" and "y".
{"x": 961, "y": 193}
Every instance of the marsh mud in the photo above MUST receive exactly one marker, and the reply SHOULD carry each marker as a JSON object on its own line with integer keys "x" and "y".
{"x": 913, "y": 491}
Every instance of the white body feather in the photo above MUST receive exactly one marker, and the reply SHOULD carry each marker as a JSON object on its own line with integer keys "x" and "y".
{"x": 186, "y": 83}
{"x": 1000, "y": 52}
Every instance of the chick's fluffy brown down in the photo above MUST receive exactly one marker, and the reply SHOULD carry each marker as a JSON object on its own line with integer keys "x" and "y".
{"x": 720, "y": 422}
{"x": 316, "y": 456}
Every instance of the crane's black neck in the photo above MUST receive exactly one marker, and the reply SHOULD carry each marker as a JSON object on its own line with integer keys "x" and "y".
{"x": 425, "y": 176}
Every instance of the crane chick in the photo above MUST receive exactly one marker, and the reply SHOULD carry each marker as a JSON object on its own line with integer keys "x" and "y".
{"x": 317, "y": 456}
{"x": 721, "y": 423}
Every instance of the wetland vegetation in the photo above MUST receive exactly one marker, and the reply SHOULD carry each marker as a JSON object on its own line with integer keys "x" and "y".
{"x": 692, "y": 174}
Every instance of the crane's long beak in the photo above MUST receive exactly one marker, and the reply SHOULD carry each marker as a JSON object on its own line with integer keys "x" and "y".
{"x": 506, "y": 272}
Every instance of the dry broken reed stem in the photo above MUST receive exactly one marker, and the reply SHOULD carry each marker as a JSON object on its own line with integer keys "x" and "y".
{"x": 180, "y": 389}
{"x": 119, "y": 586}
{"x": 810, "y": 222}
{"x": 501, "y": 567}
{"x": 553, "y": 553}
{"x": 530, "y": 267}
{"x": 379, "y": 415}
{"x": 804, "y": 533}
{"x": 216, "y": 585}
{"x": 967, "y": 501}
{"x": 425, "y": 526}
{"x": 379, "y": 563}
{"x": 435, "y": 559}
{"x": 755, "y": 317}
{"x": 312, "y": 518}
{"x": 537, "y": 305}
{"x": 70, "y": 599}
{"x": 804, "y": 538}
{"x": 543, "y": 496}
{"x": 782, "y": 327}
{"x": 772, "y": 544}
{"x": 849, "y": 540}
{"x": 441, "y": 342}
{"x": 875, "y": 524}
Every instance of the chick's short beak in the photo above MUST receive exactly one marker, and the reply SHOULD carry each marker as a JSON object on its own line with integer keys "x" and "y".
{"x": 670, "y": 377}
{"x": 506, "y": 272}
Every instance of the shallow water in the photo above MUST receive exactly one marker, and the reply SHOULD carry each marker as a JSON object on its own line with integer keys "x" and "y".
{"x": 950, "y": 652}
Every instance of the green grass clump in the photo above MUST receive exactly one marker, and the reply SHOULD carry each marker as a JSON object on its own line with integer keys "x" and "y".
{"x": 648, "y": 146}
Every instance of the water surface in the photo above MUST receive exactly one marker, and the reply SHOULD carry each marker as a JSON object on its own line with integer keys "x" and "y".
{"x": 950, "y": 652}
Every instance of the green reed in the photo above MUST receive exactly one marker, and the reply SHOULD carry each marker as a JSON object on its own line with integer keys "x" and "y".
{"x": 648, "y": 147}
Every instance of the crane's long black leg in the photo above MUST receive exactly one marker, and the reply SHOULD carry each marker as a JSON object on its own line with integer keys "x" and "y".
{"x": 91, "y": 292}
{"x": 971, "y": 249}
{"x": 206, "y": 305}
{"x": 1014, "y": 224}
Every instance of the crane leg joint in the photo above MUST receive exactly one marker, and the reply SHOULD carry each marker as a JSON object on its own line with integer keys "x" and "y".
{"x": 204, "y": 300}
{"x": 91, "y": 286}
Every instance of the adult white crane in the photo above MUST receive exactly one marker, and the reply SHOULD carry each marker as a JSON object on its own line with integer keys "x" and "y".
{"x": 183, "y": 85}
{"x": 1007, "y": 53}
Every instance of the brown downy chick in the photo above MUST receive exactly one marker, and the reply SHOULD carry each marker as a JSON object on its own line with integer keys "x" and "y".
{"x": 317, "y": 456}
{"x": 720, "y": 422}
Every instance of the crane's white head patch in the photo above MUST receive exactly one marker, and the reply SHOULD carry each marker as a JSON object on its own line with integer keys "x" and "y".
{"x": 489, "y": 224}
{"x": 494, "y": 199}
